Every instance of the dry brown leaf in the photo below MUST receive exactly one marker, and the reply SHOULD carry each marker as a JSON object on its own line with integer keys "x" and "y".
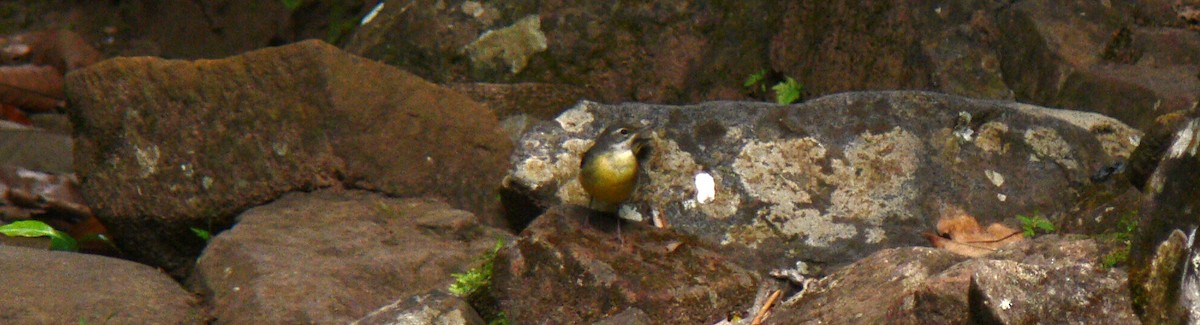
{"x": 53, "y": 199}
{"x": 32, "y": 88}
{"x": 960, "y": 233}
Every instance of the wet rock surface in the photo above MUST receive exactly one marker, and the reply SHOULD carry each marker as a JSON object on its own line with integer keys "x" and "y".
{"x": 571, "y": 266}
{"x": 44, "y": 287}
{"x": 1047, "y": 280}
{"x": 836, "y": 178}
{"x": 1163, "y": 275}
{"x": 334, "y": 256}
{"x": 212, "y": 138}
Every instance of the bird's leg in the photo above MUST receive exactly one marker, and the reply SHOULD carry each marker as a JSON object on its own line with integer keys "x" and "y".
{"x": 587, "y": 218}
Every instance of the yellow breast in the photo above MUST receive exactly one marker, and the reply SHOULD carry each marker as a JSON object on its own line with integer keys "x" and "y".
{"x": 610, "y": 177}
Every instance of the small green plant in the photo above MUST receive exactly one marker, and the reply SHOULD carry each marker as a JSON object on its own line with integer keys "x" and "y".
{"x": 203, "y": 234}
{"x": 476, "y": 279}
{"x": 757, "y": 79}
{"x": 501, "y": 319}
{"x": 1034, "y": 224}
{"x": 788, "y": 91}
{"x": 1126, "y": 227}
{"x": 59, "y": 241}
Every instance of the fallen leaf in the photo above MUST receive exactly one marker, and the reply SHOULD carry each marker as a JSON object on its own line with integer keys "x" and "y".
{"x": 960, "y": 233}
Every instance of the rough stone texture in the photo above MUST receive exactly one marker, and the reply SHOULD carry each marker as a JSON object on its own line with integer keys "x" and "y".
{"x": 571, "y": 266}
{"x": 167, "y": 145}
{"x": 871, "y": 284}
{"x": 1047, "y": 280}
{"x": 834, "y": 179}
{"x": 1163, "y": 276}
{"x": 1096, "y": 56}
{"x": 45, "y": 287}
{"x": 1009, "y": 292}
{"x": 434, "y": 308}
{"x": 333, "y": 257}
{"x": 1126, "y": 59}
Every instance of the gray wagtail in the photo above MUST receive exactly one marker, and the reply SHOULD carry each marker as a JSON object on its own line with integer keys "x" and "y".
{"x": 609, "y": 170}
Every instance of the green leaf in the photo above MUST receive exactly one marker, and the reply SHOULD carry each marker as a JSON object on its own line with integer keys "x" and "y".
{"x": 788, "y": 91}
{"x": 755, "y": 78}
{"x": 59, "y": 241}
{"x": 203, "y": 234}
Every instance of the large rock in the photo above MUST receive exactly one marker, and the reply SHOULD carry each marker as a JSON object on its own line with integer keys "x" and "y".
{"x": 575, "y": 266}
{"x": 1095, "y": 56}
{"x": 1163, "y": 274}
{"x": 45, "y": 287}
{"x": 164, "y": 146}
{"x": 836, "y": 178}
{"x": 1048, "y": 280}
{"x": 333, "y": 257}
{"x": 1128, "y": 59}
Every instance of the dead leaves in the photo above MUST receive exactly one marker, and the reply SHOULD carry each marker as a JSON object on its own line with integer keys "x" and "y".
{"x": 960, "y": 233}
{"x": 53, "y": 199}
{"x": 34, "y": 64}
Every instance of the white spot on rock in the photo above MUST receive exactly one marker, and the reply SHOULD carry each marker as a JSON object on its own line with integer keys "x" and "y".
{"x": 575, "y": 119}
{"x": 995, "y": 177}
{"x": 705, "y": 188}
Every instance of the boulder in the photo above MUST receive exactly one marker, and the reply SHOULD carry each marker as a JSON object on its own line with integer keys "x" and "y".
{"x": 334, "y": 256}
{"x": 1094, "y": 56}
{"x": 575, "y": 266}
{"x": 48, "y": 287}
{"x": 1163, "y": 277}
{"x": 1047, "y": 280}
{"x": 164, "y": 146}
{"x": 833, "y": 179}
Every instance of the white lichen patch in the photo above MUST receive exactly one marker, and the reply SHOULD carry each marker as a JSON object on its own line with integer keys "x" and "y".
{"x": 815, "y": 228}
{"x": 513, "y": 45}
{"x": 781, "y": 171}
{"x": 991, "y": 138}
{"x": 573, "y": 120}
{"x": 534, "y": 171}
{"x": 147, "y": 159}
{"x": 1113, "y": 140}
{"x": 750, "y": 235}
{"x": 875, "y": 181}
{"x": 1046, "y": 143}
{"x": 871, "y": 184}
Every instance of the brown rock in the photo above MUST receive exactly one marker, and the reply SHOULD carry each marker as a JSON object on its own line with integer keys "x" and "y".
{"x": 164, "y": 146}
{"x": 333, "y": 257}
{"x": 1009, "y": 292}
{"x": 860, "y": 293}
{"x": 1163, "y": 279}
{"x": 1047, "y": 280}
{"x": 570, "y": 266}
{"x": 45, "y": 287}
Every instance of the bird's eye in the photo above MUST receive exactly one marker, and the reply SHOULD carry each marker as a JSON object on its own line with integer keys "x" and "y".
{"x": 623, "y": 131}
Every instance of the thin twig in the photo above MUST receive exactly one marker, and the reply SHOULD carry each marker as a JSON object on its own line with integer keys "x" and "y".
{"x": 762, "y": 313}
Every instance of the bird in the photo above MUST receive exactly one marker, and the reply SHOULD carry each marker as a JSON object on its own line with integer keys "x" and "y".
{"x": 609, "y": 169}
